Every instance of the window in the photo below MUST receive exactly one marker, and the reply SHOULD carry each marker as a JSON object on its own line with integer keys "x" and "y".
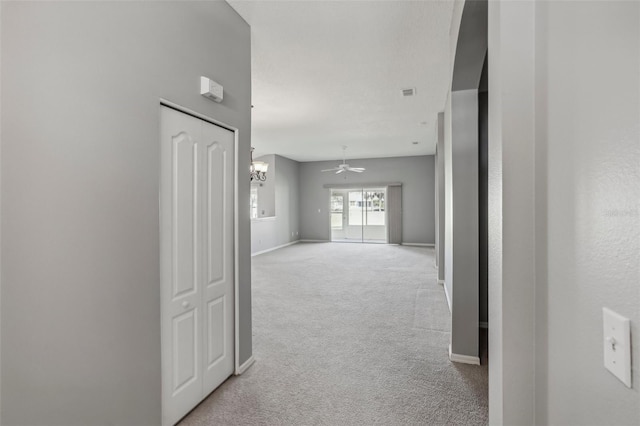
{"x": 355, "y": 208}
{"x": 374, "y": 213}
{"x": 337, "y": 205}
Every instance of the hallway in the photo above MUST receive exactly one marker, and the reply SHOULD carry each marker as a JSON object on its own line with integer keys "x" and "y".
{"x": 349, "y": 334}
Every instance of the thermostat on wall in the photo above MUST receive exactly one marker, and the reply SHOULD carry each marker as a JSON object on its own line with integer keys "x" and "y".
{"x": 210, "y": 89}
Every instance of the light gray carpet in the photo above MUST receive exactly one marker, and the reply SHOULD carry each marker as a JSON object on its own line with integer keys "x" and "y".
{"x": 349, "y": 334}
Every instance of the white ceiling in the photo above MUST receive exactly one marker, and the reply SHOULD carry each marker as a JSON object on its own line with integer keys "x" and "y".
{"x": 330, "y": 73}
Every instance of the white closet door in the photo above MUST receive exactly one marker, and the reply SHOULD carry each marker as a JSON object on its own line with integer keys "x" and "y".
{"x": 195, "y": 189}
{"x": 218, "y": 247}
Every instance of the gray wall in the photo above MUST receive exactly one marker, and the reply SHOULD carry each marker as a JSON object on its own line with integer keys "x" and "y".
{"x": 462, "y": 282}
{"x": 464, "y": 185}
{"x": 512, "y": 216}
{"x": 441, "y": 197}
{"x": 285, "y": 226}
{"x": 512, "y": 378}
{"x": 591, "y": 121}
{"x": 448, "y": 204}
{"x": 471, "y": 46}
{"x": 563, "y": 196}
{"x": 461, "y": 184}
{"x": 483, "y": 197}
{"x": 81, "y": 86}
{"x": 267, "y": 189}
{"x": 1, "y": 220}
{"x": 418, "y": 199}
{"x": 436, "y": 208}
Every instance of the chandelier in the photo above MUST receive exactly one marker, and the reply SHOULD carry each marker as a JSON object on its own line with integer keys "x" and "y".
{"x": 258, "y": 169}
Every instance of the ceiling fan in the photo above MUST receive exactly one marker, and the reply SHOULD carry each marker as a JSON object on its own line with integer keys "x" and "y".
{"x": 344, "y": 167}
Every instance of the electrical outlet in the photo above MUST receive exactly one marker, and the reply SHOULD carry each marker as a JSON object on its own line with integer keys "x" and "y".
{"x": 617, "y": 345}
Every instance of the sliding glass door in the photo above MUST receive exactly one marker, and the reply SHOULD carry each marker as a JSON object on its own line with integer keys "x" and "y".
{"x": 358, "y": 215}
{"x": 338, "y": 216}
{"x": 354, "y": 219}
{"x": 374, "y": 219}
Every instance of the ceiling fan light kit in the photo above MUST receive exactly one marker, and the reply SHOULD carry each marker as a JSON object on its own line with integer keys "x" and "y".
{"x": 344, "y": 167}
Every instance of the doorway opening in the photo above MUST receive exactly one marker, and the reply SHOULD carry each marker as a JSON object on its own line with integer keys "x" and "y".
{"x": 358, "y": 215}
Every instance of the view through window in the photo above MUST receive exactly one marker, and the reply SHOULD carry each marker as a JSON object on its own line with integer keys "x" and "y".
{"x": 337, "y": 211}
{"x": 358, "y": 215}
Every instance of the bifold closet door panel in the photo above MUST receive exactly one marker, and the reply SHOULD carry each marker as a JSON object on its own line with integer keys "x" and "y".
{"x": 180, "y": 267}
{"x": 218, "y": 249}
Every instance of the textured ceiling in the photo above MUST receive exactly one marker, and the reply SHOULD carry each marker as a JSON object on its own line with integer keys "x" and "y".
{"x": 331, "y": 73}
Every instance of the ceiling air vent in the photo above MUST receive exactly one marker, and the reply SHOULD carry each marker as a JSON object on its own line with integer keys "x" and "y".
{"x": 408, "y": 92}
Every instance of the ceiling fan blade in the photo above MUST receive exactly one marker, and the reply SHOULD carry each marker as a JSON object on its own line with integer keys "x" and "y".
{"x": 344, "y": 167}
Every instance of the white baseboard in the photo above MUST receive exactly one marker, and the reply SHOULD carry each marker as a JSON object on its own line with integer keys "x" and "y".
{"x": 418, "y": 245}
{"x": 275, "y": 248}
{"x": 484, "y": 324}
{"x": 446, "y": 293}
{"x": 244, "y": 367}
{"x": 314, "y": 241}
{"x": 463, "y": 359}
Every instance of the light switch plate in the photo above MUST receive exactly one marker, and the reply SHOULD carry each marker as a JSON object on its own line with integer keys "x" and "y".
{"x": 617, "y": 345}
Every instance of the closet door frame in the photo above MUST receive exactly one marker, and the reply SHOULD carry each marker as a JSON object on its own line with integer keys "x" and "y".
{"x": 238, "y": 369}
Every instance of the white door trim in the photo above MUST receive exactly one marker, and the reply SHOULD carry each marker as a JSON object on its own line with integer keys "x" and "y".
{"x": 236, "y": 322}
